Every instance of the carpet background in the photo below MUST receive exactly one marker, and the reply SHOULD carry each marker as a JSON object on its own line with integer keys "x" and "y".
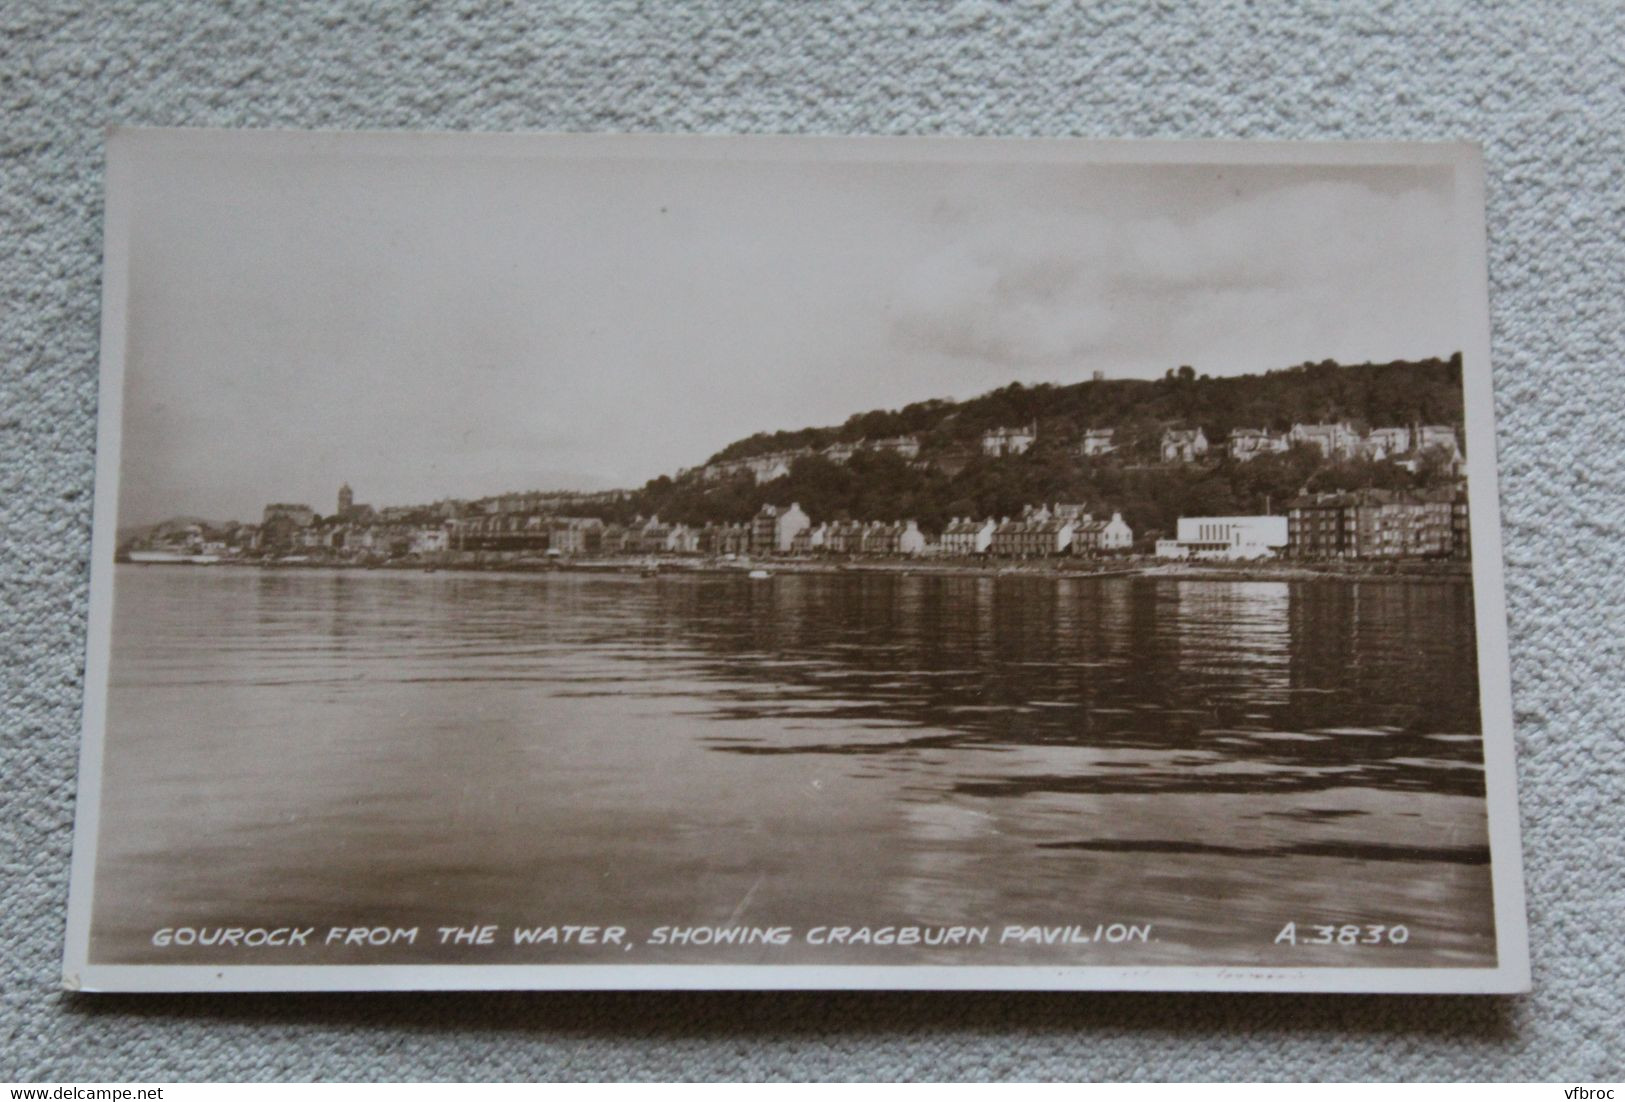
{"x": 1542, "y": 86}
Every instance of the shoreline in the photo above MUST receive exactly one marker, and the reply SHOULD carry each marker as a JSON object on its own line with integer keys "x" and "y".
{"x": 1434, "y": 571}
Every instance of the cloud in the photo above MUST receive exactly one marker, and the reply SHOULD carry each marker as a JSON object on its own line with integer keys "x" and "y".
{"x": 471, "y": 326}
{"x": 1321, "y": 261}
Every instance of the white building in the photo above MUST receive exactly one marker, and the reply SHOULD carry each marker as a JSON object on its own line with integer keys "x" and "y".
{"x": 682, "y": 540}
{"x": 1003, "y": 441}
{"x": 906, "y": 446}
{"x": 1225, "y": 538}
{"x": 430, "y": 540}
{"x": 910, "y": 541}
{"x": 1248, "y": 444}
{"x": 1183, "y": 445}
{"x": 1437, "y": 436}
{"x": 770, "y": 467}
{"x": 809, "y": 540}
{"x": 1381, "y": 443}
{"x": 773, "y": 529}
{"x": 965, "y": 536}
{"x": 761, "y": 468}
{"x": 1334, "y": 440}
{"x": 1098, "y": 442}
{"x": 1095, "y": 536}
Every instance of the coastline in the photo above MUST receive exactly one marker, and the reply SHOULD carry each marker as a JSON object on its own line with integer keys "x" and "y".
{"x": 1435, "y": 571}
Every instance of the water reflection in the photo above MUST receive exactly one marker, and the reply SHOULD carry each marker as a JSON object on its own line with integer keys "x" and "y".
{"x": 1208, "y": 755}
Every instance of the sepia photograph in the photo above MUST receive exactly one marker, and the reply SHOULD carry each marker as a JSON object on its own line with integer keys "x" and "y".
{"x": 566, "y": 561}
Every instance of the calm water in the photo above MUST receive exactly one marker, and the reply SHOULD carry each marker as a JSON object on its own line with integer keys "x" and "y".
{"x": 1214, "y": 758}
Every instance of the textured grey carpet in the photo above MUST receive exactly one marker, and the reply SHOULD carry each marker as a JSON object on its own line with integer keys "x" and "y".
{"x": 1542, "y": 86}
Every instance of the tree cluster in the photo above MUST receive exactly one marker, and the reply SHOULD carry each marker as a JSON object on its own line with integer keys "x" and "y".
{"x": 879, "y": 485}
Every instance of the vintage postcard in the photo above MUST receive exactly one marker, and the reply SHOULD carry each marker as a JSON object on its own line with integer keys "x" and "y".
{"x": 550, "y": 561}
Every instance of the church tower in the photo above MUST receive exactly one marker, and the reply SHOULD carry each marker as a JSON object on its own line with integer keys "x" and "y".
{"x": 346, "y": 500}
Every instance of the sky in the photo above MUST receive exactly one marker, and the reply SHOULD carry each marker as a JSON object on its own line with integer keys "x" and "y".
{"x": 433, "y": 319}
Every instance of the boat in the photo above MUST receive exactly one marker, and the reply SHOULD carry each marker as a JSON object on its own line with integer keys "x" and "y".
{"x": 760, "y": 574}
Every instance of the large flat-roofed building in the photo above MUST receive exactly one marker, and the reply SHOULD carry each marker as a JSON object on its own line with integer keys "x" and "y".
{"x": 1255, "y": 537}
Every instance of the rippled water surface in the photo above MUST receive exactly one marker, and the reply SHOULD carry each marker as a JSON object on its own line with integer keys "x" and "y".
{"x": 1211, "y": 758}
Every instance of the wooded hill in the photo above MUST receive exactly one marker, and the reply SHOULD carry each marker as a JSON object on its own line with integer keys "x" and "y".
{"x": 951, "y": 476}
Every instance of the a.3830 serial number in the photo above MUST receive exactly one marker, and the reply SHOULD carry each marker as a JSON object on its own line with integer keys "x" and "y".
{"x": 1348, "y": 934}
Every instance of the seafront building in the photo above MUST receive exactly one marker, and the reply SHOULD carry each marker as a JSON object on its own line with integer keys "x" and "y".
{"x": 965, "y": 536}
{"x": 1315, "y": 525}
{"x": 1364, "y": 524}
{"x": 809, "y": 541}
{"x": 880, "y": 538}
{"x": 1381, "y": 524}
{"x": 1369, "y": 524}
{"x": 493, "y": 526}
{"x": 725, "y": 540}
{"x": 774, "y": 529}
{"x": 1390, "y": 525}
{"x": 844, "y": 538}
{"x": 575, "y": 535}
{"x": 1040, "y": 532}
{"x": 1254, "y": 537}
{"x": 1102, "y": 537}
{"x": 1036, "y": 533}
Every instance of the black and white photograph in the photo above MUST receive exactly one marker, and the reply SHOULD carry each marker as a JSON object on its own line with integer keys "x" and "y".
{"x": 553, "y": 561}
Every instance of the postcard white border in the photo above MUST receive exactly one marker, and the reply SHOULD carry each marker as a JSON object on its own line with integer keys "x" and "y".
{"x": 1510, "y": 975}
